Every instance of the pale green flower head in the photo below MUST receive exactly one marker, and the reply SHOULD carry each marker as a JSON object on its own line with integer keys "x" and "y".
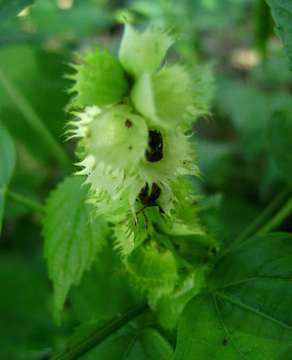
{"x": 131, "y": 115}
{"x": 143, "y": 52}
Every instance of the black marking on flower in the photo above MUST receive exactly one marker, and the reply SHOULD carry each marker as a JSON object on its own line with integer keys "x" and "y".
{"x": 154, "y": 152}
{"x": 149, "y": 198}
{"x": 128, "y": 123}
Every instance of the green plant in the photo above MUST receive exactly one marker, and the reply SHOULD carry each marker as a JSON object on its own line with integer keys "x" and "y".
{"x": 146, "y": 263}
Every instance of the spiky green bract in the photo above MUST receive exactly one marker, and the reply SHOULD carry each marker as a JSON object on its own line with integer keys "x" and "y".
{"x": 143, "y": 52}
{"x": 132, "y": 231}
{"x": 154, "y": 269}
{"x": 164, "y": 97}
{"x": 173, "y": 96}
{"x": 99, "y": 80}
{"x": 71, "y": 245}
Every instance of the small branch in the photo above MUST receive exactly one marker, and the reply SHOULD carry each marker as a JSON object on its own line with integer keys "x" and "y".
{"x": 97, "y": 336}
{"x": 264, "y": 216}
{"x": 278, "y": 218}
{"x": 261, "y": 222}
{"x": 25, "y": 201}
{"x": 34, "y": 120}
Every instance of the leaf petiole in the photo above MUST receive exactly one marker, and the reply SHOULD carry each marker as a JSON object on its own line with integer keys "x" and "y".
{"x": 25, "y": 201}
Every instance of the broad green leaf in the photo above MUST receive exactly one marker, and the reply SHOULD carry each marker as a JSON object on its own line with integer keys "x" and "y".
{"x": 280, "y": 141}
{"x": 100, "y": 80}
{"x": 9, "y": 8}
{"x": 109, "y": 279}
{"x": 247, "y": 311}
{"x": 203, "y": 334}
{"x": 7, "y": 164}
{"x": 133, "y": 344}
{"x": 73, "y": 236}
{"x": 282, "y": 14}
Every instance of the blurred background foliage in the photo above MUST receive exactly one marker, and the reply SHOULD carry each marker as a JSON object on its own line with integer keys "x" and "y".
{"x": 38, "y": 39}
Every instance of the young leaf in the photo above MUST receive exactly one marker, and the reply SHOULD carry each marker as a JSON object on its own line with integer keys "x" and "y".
{"x": 100, "y": 80}
{"x": 282, "y": 14}
{"x": 243, "y": 314}
{"x": 73, "y": 237}
{"x": 7, "y": 164}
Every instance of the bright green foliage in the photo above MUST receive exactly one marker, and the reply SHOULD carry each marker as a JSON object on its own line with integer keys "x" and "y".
{"x": 99, "y": 80}
{"x": 131, "y": 344}
{"x": 143, "y": 52}
{"x": 282, "y": 14}
{"x": 7, "y": 164}
{"x": 71, "y": 245}
{"x": 153, "y": 269}
{"x": 242, "y": 314}
{"x": 170, "y": 307}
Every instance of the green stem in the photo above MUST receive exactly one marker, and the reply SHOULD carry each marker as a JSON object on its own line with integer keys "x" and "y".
{"x": 34, "y": 120}
{"x": 98, "y": 335}
{"x": 278, "y": 218}
{"x": 262, "y": 222}
{"x": 264, "y": 216}
{"x": 26, "y": 202}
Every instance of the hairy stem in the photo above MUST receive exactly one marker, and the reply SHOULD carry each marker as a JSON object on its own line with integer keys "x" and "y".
{"x": 98, "y": 336}
{"x": 25, "y": 201}
{"x": 34, "y": 120}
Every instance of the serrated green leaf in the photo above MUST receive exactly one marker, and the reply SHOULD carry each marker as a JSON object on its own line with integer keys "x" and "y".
{"x": 280, "y": 141}
{"x": 100, "y": 80}
{"x": 282, "y": 14}
{"x": 7, "y": 164}
{"x": 73, "y": 237}
{"x": 247, "y": 311}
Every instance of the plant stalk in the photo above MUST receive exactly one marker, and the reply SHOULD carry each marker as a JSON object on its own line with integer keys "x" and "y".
{"x": 97, "y": 336}
{"x": 265, "y": 216}
{"x": 25, "y": 201}
{"x": 34, "y": 120}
